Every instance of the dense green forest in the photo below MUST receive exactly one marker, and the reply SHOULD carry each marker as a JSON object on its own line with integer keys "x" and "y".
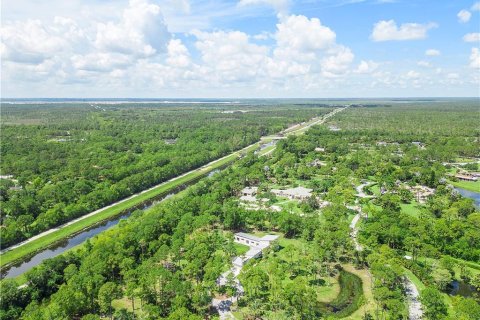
{"x": 163, "y": 263}
{"x": 68, "y": 160}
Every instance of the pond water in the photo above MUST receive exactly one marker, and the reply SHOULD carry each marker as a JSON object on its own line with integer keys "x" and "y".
{"x": 470, "y": 194}
{"x": 460, "y": 288}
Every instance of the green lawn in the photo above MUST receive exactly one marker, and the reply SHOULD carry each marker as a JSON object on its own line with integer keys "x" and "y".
{"x": 375, "y": 189}
{"x": 460, "y": 159}
{"x": 240, "y": 248}
{"x": 411, "y": 209}
{"x": 40, "y": 243}
{"x": 266, "y": 150}
{"x": 467, "y": 185}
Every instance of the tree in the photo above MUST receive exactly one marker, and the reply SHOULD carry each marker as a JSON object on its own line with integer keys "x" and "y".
{"x": 434, "y": 306}
{"x": 465, "y": 308}
{"x": 107, "y": 293}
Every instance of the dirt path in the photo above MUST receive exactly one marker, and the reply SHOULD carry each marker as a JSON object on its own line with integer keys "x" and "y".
{"x": 354, "y": 231}
{"x": 361, "y": 193}
{"x": 415, "y": 311}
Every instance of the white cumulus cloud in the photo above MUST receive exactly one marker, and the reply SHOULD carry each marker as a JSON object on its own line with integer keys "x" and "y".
{"x": 31, "y": 42}
{"x": 141, "y": 31}
{"x": 366, "y": 67}
{"x": 280, "y": 6}
{"x": 475, "y": 58}
{"x": 389, "y": 30}
{"x": 303, "y": 34}
{"x": 432, "y": 52}
{"x": 472, "y": 37}
{"x": 230, "y": 55}
{"x": 464, "y": 16}
{"x": 424, "y": 64}
{"x": 412, "y": 74}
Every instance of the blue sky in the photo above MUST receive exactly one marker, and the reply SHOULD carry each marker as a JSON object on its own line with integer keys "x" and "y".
{"x": 243, "y": 48}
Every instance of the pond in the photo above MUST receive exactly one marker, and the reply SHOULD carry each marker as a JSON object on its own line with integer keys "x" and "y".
{"x": 470, "y": 194}
{"x": 460, "y": 288}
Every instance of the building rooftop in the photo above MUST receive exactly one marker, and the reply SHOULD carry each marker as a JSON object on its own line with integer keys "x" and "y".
{"x": 250, "y": 190}
{"x": 248, "y": 198}
{"x": 247, "y": 236}
{"x": 268, "y": 237}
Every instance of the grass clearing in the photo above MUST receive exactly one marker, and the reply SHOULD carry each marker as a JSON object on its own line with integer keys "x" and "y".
{"x": 240, "y": 249}
{"x": 350, "y": 297}
{"x": 412, "y": 209}
{"x": 467, "y": 185}
{"x": 369, "y": 303}
{"x": 126, "y": 303}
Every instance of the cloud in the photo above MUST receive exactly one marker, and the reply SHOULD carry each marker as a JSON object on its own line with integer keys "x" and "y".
{"x": 412, "y": 74}
{"x": 263, "y": 36}
{"x": 472, "y": 37}
{"x": 141, "y": 31}
{"x": 475, "y": 58}
{"x": 464, "y": 16}
{"x": 305, "y": 44}
{"x": 453, "y": 75}
{"x": 178, "y": 55}
{"x": 366, "y": 67}
{"x": 432, "y": 52}
{"x": 100, "y": 61}
{"x": 304, "y": 34}
{"x": 30, "y": 42}
{"x": 230, "y": 55}
{"x": 424, "y": 64}
{"x": 338, "y": 63}
{"x": 280, "y": 6}
{"x": 475, "y": 6}
{"x": 389, "y": 31}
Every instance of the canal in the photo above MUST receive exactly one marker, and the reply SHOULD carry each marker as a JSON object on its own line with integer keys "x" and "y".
{"x": 58, "y": 248}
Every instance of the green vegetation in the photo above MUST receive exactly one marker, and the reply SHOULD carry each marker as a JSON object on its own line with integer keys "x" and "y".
{"x": 350, "y": 297}
{"x": 467, "y": 185}
{"x": 69, "y": 160}
{"x": 240, "y": 249}
{"x": 164, "y": 263}
{"x": 42, "y": 242}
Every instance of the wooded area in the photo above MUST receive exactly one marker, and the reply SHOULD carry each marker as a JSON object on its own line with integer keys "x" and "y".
{"x": 68, "y": 160}
{"x": 163, "y": 263}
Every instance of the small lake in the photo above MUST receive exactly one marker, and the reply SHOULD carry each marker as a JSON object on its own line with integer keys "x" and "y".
{"x": 470, "y": 194}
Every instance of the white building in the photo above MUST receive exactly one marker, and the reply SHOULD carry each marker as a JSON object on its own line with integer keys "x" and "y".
{"x": 248, "y": 194}
{"x": 256, "y": 244}
{"x": 298, "y": 193}
{"x": 249, "y": 191}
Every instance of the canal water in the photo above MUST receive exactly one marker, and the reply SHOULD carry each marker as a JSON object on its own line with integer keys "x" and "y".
{"x": 55, "y": 250}
{"x": 62, "y": 246}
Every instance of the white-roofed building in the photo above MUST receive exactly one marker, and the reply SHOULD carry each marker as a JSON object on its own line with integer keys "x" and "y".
{"x": 249, "y": 191}
{"x": 299, "y": 193}
{"x": 256, "y": 244}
